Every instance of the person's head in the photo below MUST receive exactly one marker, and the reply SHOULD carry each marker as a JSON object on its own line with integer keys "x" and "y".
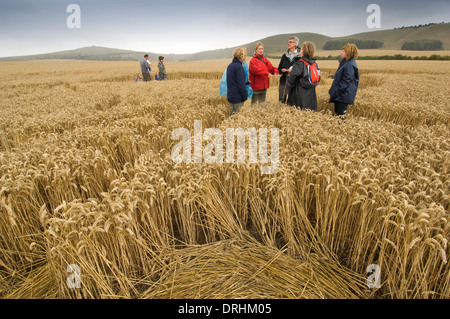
{"x": 293, "y": 43}
{"x": 161, "y": 58}
{"x": 308, "y": 49}
{"x": 240, "y": 53}
{"x": 259, "y": 48}
{"x": 349, "y": 51}
{"x": 146, "y": 56}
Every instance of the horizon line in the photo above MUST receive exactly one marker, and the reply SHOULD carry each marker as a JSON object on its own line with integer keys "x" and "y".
{"x": 193, "y": 53}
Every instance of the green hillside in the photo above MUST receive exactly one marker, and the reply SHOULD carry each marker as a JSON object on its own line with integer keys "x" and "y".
{"x": 395, "y": 38}
{"x": 278, "y": 43}
{"x": 88, "y": 53}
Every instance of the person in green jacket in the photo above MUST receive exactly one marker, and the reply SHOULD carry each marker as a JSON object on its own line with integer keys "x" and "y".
{"x": 162, "y": 69}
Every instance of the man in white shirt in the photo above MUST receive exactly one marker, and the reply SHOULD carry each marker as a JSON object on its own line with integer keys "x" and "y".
{"x": 146, "y": 68}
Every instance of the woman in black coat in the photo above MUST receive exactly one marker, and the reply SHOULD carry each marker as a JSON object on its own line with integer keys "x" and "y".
{"x": 346, "y": 81}
{"x": 302, "y": 93}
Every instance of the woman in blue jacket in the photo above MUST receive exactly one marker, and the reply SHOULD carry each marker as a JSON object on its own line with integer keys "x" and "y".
{"x": 346, "y": 81}
{"x": 236, "y": 80}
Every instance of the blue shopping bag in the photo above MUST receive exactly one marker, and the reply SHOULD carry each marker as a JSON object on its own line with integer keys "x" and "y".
{"x": 223, "y": 83}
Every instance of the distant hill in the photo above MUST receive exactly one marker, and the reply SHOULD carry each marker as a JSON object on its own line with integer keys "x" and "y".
{"x": 274, "y": 45}
{"x": 395, "y": 38}
{"x": 88, "y": 53}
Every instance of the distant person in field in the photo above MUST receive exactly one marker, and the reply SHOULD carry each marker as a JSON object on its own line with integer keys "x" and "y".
{"x": 236, "y": 81}
{"x": 301, "y": 86}
{"x": 259, "y": 70}
{"x": 146, "y": 68}
{"x": 346, "y": 81}
{"x": 162, "y": 69}
{"x": 288, "y": 59}
{"x": 138, "y": 78}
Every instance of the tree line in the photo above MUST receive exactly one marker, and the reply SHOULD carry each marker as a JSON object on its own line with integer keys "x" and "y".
{"x": 433, "y": 57}
{"x": 423, "y": 45}
{"x": 419, "y": 25}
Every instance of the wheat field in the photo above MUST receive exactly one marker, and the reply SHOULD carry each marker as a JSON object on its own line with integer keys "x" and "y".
{"x": 87, "y": 180}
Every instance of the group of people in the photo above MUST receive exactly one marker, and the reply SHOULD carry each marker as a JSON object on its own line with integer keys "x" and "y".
{"x": 295, "y": 85}
{"x": 146, "y": 70}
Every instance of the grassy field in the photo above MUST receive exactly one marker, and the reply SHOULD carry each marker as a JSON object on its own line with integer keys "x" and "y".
{"x": 87, "y": 179}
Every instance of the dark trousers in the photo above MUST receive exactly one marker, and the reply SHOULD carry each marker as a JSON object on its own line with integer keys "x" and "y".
{"x": 259, "y": 96}
{"x": 235, "y": 107}
{"x": 282, "y": 95}
{"x": 340, "y": 109}
{"x": 146, "y": 77}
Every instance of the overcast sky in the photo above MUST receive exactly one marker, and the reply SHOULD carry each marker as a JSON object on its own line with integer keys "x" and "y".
{"x": 184, "y": 26}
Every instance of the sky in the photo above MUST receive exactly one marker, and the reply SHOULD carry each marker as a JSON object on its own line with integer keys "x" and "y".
{"x": 185, "y": 26}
